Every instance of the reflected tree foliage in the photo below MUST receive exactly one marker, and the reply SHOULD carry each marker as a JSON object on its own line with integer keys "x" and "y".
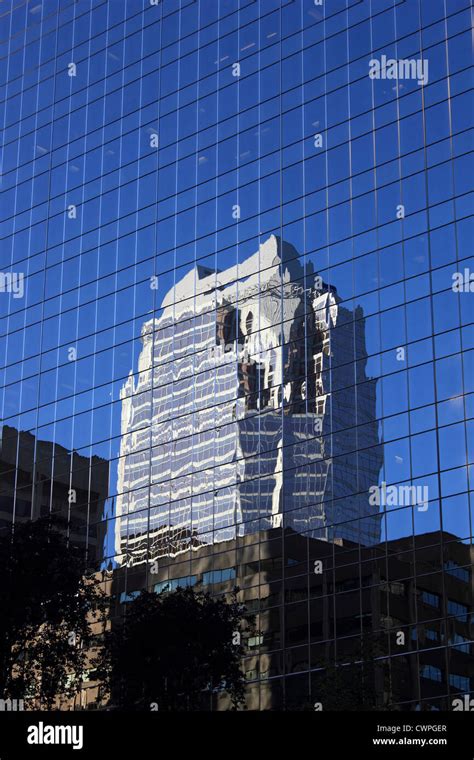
{"x": 49, "y": 608}
{"x": 172, "y": 651}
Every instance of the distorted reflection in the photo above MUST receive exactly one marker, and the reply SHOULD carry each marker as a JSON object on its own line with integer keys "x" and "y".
{"x": 233, "y": 423}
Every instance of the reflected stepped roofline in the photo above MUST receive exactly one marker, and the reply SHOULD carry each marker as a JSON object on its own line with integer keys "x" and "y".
{"x": 200, "y": 283}
{"x": 200, "y": 280}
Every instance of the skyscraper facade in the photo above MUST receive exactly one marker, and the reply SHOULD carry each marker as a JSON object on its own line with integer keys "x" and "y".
{"x": 236, "y": 282}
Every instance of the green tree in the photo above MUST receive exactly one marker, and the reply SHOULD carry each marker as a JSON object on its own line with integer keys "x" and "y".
{"x": 48, "y": 608}
{"x": 171, "y": 650}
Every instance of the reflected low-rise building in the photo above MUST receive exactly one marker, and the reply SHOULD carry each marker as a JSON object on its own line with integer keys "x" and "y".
{"x": 39, "y": 479}
{"x": 322, "y": 608}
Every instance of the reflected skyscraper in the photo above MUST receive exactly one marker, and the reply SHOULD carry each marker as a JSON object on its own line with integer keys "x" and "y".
{"x": 243, "y": 414}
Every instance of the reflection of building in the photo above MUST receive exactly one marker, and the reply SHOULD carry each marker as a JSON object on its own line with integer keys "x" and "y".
{"x": 234, "y": 425}
{"x": 416, "y": 631}
{"x": 39, "y": 478}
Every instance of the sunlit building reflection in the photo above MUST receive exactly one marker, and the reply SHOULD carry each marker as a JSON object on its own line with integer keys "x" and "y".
{"x": 243, "y": 414}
